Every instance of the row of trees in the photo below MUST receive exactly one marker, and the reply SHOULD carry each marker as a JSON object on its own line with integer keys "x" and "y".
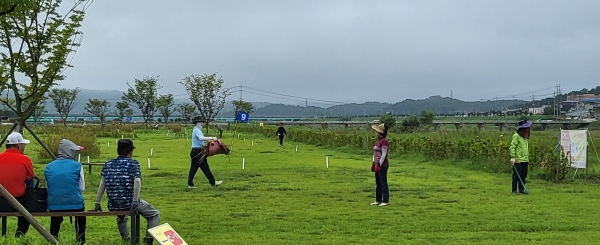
{"x": 36, "y": 40}
{"x": 205, "y": 92}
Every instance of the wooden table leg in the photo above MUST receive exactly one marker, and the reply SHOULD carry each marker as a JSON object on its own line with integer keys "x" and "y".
{"x": 3, "y": 225}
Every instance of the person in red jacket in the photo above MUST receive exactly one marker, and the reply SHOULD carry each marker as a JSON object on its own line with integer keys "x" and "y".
{"x": 380, "y": 166}
{"x": 16, "y": 170}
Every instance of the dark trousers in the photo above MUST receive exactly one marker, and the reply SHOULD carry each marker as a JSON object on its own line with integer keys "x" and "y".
{"x": 521, "y": 169}
{"x": 195, "y": 164}
{"x": 80, "y": 223}
{"x": 382, "y": 192}
{"x": 280, "y": 140}
{"x": 22, "y": 223}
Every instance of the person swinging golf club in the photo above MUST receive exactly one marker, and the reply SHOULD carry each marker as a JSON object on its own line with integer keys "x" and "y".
{"x": 198, "y": 161}
{"x": 519, "y": 153}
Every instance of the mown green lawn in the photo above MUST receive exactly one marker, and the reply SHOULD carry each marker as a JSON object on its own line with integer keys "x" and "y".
{"x": 288, "y": 197}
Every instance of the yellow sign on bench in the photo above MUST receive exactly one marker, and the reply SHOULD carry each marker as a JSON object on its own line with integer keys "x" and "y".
{"x": 166, "y": 235}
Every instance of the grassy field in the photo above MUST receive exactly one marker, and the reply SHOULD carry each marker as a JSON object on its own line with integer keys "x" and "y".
{"x": 288, "y": 197}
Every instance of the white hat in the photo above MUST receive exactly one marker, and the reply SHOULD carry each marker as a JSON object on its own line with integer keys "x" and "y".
{"x": 16, "y": 138}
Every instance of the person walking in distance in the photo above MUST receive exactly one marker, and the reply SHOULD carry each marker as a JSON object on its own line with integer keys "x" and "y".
{"x": 280, "y": 133}
{"x": 380, "y": 166}
{"x": 122, "y": 180}
{"x": 197, "y": 161}
{"x": 519, "y": 156}
{"x": 64, "y": 177}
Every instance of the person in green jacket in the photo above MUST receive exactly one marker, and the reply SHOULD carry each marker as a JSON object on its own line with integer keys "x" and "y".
{"x": 519, "y": 156}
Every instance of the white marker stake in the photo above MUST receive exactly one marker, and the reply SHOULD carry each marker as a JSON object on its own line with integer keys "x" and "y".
{"x": 116, "y": 141}
{"x": 167, "y": 134}
{"x": 327, "y": 162}
{"x": 79, "y": 158}
{"x": 296, "y": 148}
{"x": 88, "y": 159}
{"x": 243, "y": 163}
{"x": 107, "y": 144}
{"x": 121, "y": 136}
{"x": 148, "y": 163}
{"x": 244, "y": 138}
{"x": 253, "y": 143}
{"x": 151, "y": 151}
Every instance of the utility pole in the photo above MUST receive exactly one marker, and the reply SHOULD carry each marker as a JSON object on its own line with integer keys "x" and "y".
{"x": 451, "y": 95}
{"x": 557, "y": 102}
{"x": 241, "y": 91}
{"x": 306, "y": 102}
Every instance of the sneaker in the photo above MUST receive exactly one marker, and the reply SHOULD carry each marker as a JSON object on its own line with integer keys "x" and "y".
{"x": 191, "y": 187}
{"x": 375, "y": 204}
{"x": 384, "y": 204}
{"x": 218, "y": 182}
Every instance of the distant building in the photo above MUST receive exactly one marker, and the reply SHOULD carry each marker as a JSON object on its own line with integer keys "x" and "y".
{"x": 579, "y": 97}
{"x": 538, "y": 110}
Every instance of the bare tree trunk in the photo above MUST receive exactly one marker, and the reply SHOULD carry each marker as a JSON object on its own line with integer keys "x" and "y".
{"x": 20, "y": 126}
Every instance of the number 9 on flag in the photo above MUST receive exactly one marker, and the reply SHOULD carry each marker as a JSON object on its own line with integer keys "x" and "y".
{"x": 242, "y": 117}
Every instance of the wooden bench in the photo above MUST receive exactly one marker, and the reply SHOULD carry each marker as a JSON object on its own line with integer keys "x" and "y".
{"x": 135, "y": 219}
{"x": 90, "y": 166}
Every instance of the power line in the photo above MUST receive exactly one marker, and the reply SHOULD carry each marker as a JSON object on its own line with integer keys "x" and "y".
{"x": 304, "y": 98}
{"x": 514, "y": 96}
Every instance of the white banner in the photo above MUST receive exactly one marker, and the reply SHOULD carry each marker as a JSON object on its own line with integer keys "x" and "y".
{"x": 574, "y": 144}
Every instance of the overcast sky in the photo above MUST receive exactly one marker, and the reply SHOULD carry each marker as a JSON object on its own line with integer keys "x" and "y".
{"x": 346, "y": 51}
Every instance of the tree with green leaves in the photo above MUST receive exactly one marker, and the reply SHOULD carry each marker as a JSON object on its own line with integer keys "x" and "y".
{"x": 40, "y": 110}
{"x": 207, "y": 94}
{"x": 240, "y": 105}
{"x": 36, "y": 40}
{"x": 98, "y": 108}
{"x": 426, "y": 118}
{"x": 64, "y": 100}
{"x": 121, "y": 107}
{"x": 6, "y": 7}
{"x": 165, "y": 105}
{"x": 388, "y": 120}
{"x": 187, "y": 111}
{"x": 143, "y": 95}
{"x": 129, "y": 112}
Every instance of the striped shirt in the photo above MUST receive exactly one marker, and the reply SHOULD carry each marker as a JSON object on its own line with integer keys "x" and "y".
{"x": 119, "y": 174}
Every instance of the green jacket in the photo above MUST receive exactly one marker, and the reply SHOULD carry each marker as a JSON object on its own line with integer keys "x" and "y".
{"x": 519, "y": 148}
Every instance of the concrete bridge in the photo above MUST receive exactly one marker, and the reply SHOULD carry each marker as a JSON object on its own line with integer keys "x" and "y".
{"x": 501, "y": 124}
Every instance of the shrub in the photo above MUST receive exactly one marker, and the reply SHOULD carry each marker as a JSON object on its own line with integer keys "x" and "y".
{"x": 174, "y": 128}
{"x": 485, "y": 151}
{"x": 83, "y": 137}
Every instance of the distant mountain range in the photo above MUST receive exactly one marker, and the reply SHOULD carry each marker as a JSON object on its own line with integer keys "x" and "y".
{"x": 437, "y": 104}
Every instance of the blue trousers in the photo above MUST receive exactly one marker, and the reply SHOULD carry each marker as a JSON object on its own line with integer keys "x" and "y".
{"x": 382, "y": 192}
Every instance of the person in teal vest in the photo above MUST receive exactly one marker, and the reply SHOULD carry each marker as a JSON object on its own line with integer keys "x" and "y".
{"x": 64, "y": 177}
{"x": 519, "y": 156}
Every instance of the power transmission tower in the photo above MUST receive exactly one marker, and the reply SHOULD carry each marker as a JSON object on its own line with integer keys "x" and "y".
{"x": 241, "y": 91}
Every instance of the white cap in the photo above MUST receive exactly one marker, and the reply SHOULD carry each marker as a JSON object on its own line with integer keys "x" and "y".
{"x": 16, "y": 138}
